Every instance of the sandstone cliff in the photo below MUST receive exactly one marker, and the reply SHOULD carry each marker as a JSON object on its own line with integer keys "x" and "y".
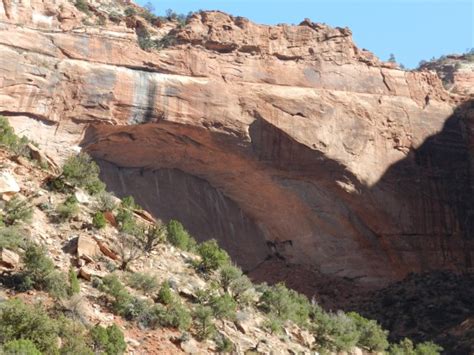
{"x": 284, "y": 142}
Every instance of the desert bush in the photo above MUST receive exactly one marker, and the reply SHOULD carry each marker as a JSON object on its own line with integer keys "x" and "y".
{"x": 129, "y": 248}
{"x": 174, "y": 315}
{"x": 82, "y": 5}
{"x": 233, "y": 281}
{"x": 212, "y": 256}
{"x": 68, "y": 209}
{"x": 143, "y": 281}
{"x": 80, "y": 171}
{"x": 130, "y": 11}
{"x": 123, "y": 303}
{"x": 20, "y": 347}
{"x": 39, "y": 273}
{"x": 371, "y": 335}
{"x": 56, "y": 284}
{"x": 179, "y": 237}
{"x": 98, "y": 220}
{"x": 128, "y": 202}
{"x": 223, "y": 307}
{"x": 334, "y": 332}
{"x": 74, "y": 282}
{"x": 224, "y": 344}
{"x": 74, "y": 336}
{"x": 284, "y": 303}
{"x": 152, "y": 236}
{"x": 165, "y": 295}
{"x": 108, "y": 340}
{"x": 126, "y": 221}
{"x": 406, "y": 347}
{"x": 106, "y": 201}
{"x": 11, "y": 238}
{"x": 228, "y": 273}
{"x": 203, "y": 322}
{"x": 273, "y": 324}
{"x": 21, "y": 321}
{"x": 115, "y": 17}
{"x": 17, "y": 210}
{"x": 9, "y": 140}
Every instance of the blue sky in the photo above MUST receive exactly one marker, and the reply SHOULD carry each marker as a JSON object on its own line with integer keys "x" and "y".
{"x": 410, "y": 29}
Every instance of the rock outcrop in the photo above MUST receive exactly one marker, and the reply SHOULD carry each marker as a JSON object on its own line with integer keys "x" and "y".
{"x": 282, "y": 142}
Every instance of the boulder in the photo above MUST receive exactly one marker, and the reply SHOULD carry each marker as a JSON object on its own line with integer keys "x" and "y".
{"x": 8, "y": 183}
{"x": 104, "y": 248}
{"x": 40, "y": 156}
{"x": 87, "y": 273}
{"x": 82, "y": 196}
{"x": 87, "y": 248}
{"x": 9, "y": 259}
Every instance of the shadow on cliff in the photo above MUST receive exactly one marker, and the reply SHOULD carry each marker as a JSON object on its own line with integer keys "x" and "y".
{"x": 435, "y": 181}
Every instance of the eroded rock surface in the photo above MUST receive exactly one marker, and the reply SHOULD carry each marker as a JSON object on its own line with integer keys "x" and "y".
{"x": 282, "y": 142}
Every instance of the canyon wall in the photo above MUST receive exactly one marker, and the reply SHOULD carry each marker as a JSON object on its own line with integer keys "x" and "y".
{"x": 284, "y": 142}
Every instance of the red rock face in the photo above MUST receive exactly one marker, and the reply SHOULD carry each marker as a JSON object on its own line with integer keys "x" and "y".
{"x": 285, "y": 142}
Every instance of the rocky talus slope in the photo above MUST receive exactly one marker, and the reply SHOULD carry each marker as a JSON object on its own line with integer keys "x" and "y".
{"x": 72, "y": 242}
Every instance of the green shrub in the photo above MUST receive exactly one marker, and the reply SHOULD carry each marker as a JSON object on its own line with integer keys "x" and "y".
{"x": 68, "y": 209}
{"x": 21, "y": 321}
{"x": 17, "y": 210}
{"x": 165, "y": 295}
{"x": 56, "y": 284}
{"x": 74, "y": 282}
{"x": 108, "y": 340}
{"x": 128, "y": 224}
{"x": 223, "y": 307}
{"x": 224, "y": 344}
{"x": 129, "y": 248}
{"x": 179, "y": 237}
{"x": 106, "y": 202}
{"x": 143, "y": 281}
{"x": 81, "y": 5}
{"x": 284, "y": 303}
{"x": 228, "y": 273}
{"x": 233, "y": 281}
{"x": 80, "y": 171}
{"x": 74, "y": 337}
{"x": 128, "y": 202}
{"x": 203, "y": 322}
{"x": 174, "y": 315}
{"x": 371, "y": 335}
{"x": 212, "y": 256}
{"x": 153, "y": 235}
{"x": 273, "y": 324}
{"x": 11, "y": 238}
{"x": 115, "y": 17}
{"x": 37, "y": 264}
{"x": 11, "y": 141}
{"x": 123, "y": 304}
{"x": 99, "y": 221}
{"x": 406, "y": 347}
{"x": 334, "y": 332}
{"x": 130, "y": 11}
{"x": 20, "y": 347}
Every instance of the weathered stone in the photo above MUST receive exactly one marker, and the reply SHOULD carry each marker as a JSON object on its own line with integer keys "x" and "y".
{"x": 43, "y": 158}
{"x": 109, "y": 216}
{"x": 87, "y": 248}
{"x": 9, "y": 259}
{"x": 104, "y": 248}
{"x": 8, "y": 183}
{"x": 82, "y": 196}
{"x": 87, "y": 273}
